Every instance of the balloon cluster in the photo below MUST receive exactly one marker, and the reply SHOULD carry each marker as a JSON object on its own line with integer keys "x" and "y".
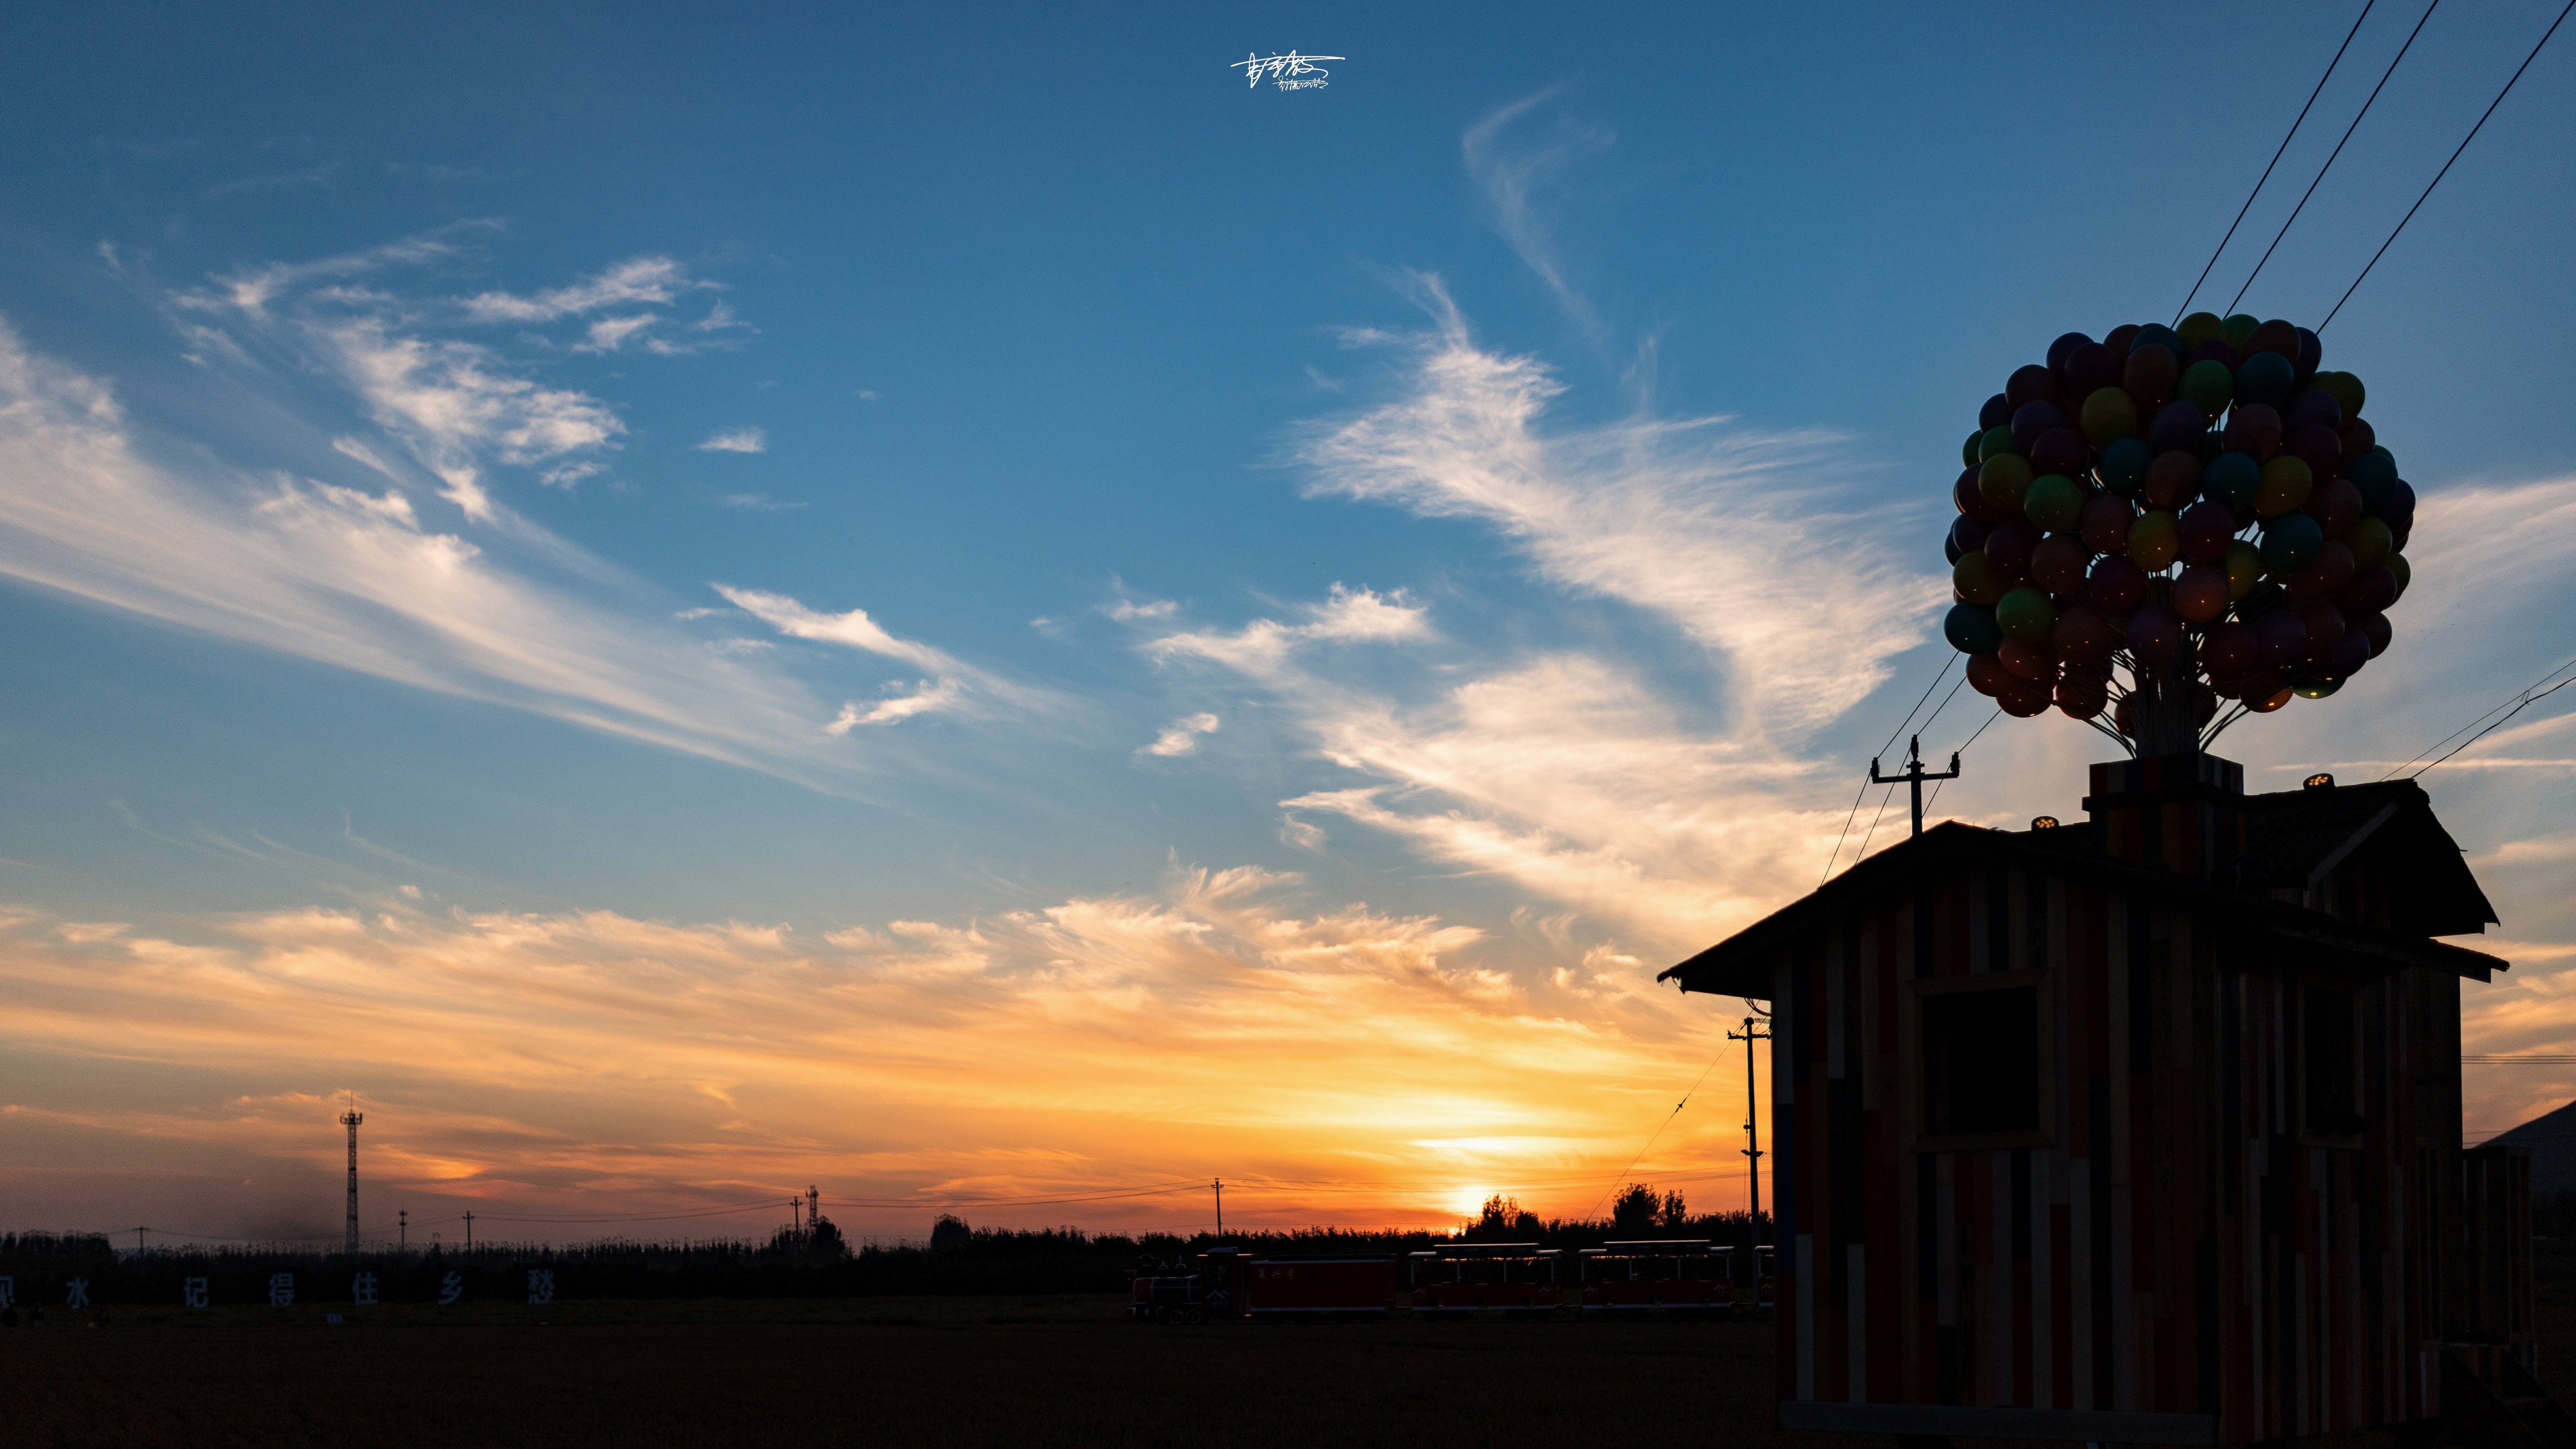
{"x": 2198, "y": 505}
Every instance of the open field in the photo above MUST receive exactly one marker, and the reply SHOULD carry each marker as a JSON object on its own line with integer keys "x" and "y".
{"x": 964, "y": 1371}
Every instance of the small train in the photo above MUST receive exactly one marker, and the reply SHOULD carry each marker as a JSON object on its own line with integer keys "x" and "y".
{"x": 1672, "y": 1276}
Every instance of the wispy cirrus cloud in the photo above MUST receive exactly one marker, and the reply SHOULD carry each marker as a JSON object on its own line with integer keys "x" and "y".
{"x": 639, "y": 280}
{"x": 1346, "y": 616}
{"x": 1181, "y": 736}
{"x": 1511, "y": 176}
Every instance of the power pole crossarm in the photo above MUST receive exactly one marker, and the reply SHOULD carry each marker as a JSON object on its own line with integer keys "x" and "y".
{"x": 1914, "y": 774}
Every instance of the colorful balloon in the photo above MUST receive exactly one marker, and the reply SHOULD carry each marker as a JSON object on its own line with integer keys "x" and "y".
{"x": 1986, "y": 674}
{"x": 2208, "y": 386}
{"x": 2053, "y": 503}
{"x": 2031, "y": 420}
{"x": 2290, "y": 543}
{"x": 2325, "y": 576}
{"x": 2154, "y": 541}
{"x": 2277, "y": 337}
{"x": 2207, "y": 527}
{"x": 1996, "y": 413}
{"x": 2230, "y": 651}
{"x": 2346, "y": 390}
{"x": 2155, "y": 635}
{"x": 2253, "y": 428}
{"x": 2105, "y": 521}
{"x": 2147, "y": 380}
{"x": 2371, "y": 543}
{"x": 2090, "y": 368}
{"x": 2024, "y": 613}
{"x": 2031, "y": 384}
{"x": 1970, "y": 628}
{"x": 2176, "y": 425}
{"x": 2280, "y": 635}
{"x": 1974, "y": 580}
{"x": 2059, "y": 563}
{"x": 2200, "y": 327}
{"x": 2025, "y": 660}
{"x": 2173, "y": 480}
{"x": 2286, "y": 485}
{"x": 2116, "y": 585}
{"x": 1995, "y": 443}
{"x": 2002, "y": 481}
{"x": 2235, "y": 477}
{"x": 2080, "y": 696}
{"x": 2081, "y": 636}
{"x": 2244, "y": 564}
{"x": 2123, "y": 468}
{"x": 2200, "y": 593}
{"x": 2109, "y": 415}
{"x": 2008, "y": 548}
{"x": 2336, "y": 506}
{"x": 2314, "y": 408}
{"x": 2025, "y": 698}
{"x": 2060, "y": 450}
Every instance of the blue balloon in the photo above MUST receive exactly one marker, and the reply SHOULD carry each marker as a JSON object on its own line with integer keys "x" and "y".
{"x": 2123, "y": 468}
{"x": 2265, "y": 378}
{"x": 1970, "y": 628}
{"x": 2291, "y": 541}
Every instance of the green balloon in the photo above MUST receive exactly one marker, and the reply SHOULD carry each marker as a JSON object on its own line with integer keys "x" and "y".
{"x": 2405, "y": 571}
{"x": 2002, "y": 481}
{"x": 2208, "y": 386}
{"x": 2310, "y": 687}
{"x": 2052, "y": 503}
{"x": 2108, "y": 416}
{"x": 2198, "y": 328}
{"x": 2239, "y": 326}
{"x": 2025, "y": 614}
{"x": 1968, "y": 452}
{"x": 2290, "y": 543}
{"x": 1993, "y": 443}
{"x": 1970, "y": 628}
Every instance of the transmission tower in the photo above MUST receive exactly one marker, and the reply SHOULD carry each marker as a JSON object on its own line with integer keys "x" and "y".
{"x": 350, "y": 1119}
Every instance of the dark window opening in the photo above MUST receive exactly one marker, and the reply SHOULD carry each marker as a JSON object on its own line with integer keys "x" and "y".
{"x": 1981, "y": 1061}
{"x": 2332, "y": 1105}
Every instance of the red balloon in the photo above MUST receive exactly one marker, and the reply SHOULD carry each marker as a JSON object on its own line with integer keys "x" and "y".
{"x": 2324, "y": 624}
{"x": 2325, "y": 578}
{"x": 2155, "y": 635}
{"x": 2335, "y": 504}
{"x": 2230, "y": 650}
{"x": 1986, "y": 674}
{"x": 2008, "y": 548}
{"x": 2207, "y": 527}
{"x": 2089, "y": 369}
{"x": 2254, "y": 429}
{"x": 2374, "y": 627}
{"x": 2105, "y": 522}
{"x": 2119, "y": 338}
{"x": 2173, "y": 479}
{"x": 2027, "y": 661}
{"x": 2080, "y": 696}
{"x": 2116, "y": 584}
{"x": 2024, "y": 698}
{"x": 2357, "y": 437}
{"x": 2058, "y": 564}
{"x": 2200, "y": 595}
{"x": 2149, "y": 376}
{"x": 2261, "y": 684}
{"x": 1969, "y": 500}
{"x": 2081, "y": 637}
{"x": 2266, "y": 703}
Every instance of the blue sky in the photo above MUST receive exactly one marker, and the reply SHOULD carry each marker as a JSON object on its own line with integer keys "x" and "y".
{"x": 924, "y": 506}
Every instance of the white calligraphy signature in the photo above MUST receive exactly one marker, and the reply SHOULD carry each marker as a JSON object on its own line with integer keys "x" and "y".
{"x": 1292, "y": 71}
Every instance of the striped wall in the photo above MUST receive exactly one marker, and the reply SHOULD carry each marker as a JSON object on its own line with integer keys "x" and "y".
{"x": 2170, "y": 1241}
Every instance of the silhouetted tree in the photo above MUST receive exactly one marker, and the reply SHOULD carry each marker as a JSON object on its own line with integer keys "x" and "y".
{"x": 1636, "y": 1211}
{"x": 1503, "y": 1220}
{"x": 951, "y": 1234}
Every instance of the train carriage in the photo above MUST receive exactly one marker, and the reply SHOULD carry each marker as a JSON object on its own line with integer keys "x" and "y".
{"x": 1489, "y": 1277}
{"x": 1673, "y": 1273}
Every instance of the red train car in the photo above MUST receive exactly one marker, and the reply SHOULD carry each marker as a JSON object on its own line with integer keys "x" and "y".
{"x": 1469, "y": 1277}
{"x": 1253, "y": 1285}
{"x": 1678, "y": 1273}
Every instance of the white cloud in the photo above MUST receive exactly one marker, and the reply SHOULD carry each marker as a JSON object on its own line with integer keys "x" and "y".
{"x": 854, "y": 629}
{"x": 1263, "y": 646}
{"x": 1510, "y": 178}
{"x": 642, "y": 280}
{"x": 1181, "y": 736}
{"x": 1736, "y": 538}
{"x": 1128, "y": 611}
{"x": 736, "y": 440}
{"x": 610, "y": 333}
{"x": 356, "y": 580}
{"x": 926, "y": 697}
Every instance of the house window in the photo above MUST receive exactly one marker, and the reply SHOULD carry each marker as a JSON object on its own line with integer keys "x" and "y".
{"x": 2329, "y": 1049}
{"x": 1981, "y": 1062}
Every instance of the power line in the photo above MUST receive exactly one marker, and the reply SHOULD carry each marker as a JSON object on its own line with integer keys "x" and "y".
{"x": 2446, "y": 166}
{"x": 2276, "y": 160}
{"x": 1883, "y": 749}
{"x": 1963, "y": 749}
{"x": 2338, "y": 151}
{"x": 2517, "y": 1059}
{"x": 2514, "y": 706}
{"x": 1677, "y": 1111}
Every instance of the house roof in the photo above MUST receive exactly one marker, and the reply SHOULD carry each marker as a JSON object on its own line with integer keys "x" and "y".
{"x": 2294, "y": 840}
{"x": 2551, "y": 1138}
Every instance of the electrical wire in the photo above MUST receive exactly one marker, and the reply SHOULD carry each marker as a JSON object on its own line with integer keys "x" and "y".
{"x": 2515, "y": 703}
{"x": 2276, "y": 160}
{"x": 2446, "y": 166}
{"x": 1882, "y": 750}
{"x": 2338, "y": 151}
{"x": 2517, "y": 1059}
{"x": 1963, "y": 749}
{"x": 1668, "y": 1119}
{"x": 2499, "y": 724}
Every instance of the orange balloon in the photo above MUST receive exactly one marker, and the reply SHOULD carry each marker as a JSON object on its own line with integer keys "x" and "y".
{"x": 2200, "y": 595}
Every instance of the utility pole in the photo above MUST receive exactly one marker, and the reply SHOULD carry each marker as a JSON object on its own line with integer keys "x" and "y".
{"x": 350, "y": 1119}
{"x": 1753, "y": 1032}
{"x": 469, "y": 1232}
{"x": 1219, "y": 1185}
{"x": 813, "y": 1208}
{"x": 138, "y": 1241}
{"x": 1915, "y": 774}
{"x": 795, "y": 1218}
{"x": 402, "y": 1228}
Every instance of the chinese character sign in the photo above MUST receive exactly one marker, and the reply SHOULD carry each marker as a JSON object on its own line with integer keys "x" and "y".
{"x": 77, "y": 1295}
{"x": 541, "y": 1285}
{"x": 192, "y": 1292}
{"x": 363, "y": 1290}
{"x": 281, "y": 1290}
{"x": 450, "y": 1288}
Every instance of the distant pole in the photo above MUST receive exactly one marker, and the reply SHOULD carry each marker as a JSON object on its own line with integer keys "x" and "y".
{"x": 138, "y": 1241}
{"x": 1219, "y": 1185}
{"x": 1914, "y": 774}
{"x": 469, "y": 1232}
{"x": 813, "y": 1208}
{"x": 795, "y": 1211}
{"x": 350, "y": 1119}
{"x": 402, "y": 1228}
{"x": 1752, "y": 1033}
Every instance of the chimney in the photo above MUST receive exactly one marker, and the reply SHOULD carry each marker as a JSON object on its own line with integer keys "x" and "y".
{"x": 2177, "y": 812}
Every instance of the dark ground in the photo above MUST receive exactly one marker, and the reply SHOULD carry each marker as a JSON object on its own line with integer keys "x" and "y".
{"x": 979, "y": 1371}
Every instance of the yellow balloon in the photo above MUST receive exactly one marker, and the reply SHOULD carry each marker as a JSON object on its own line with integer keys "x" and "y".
{"x": 1975, "y": 581}
{"x": 2286, "y": 484}
{"x": 2370, "y": 542}
{"x": 2155, "y": 541}
{"x": 2244, "y": 568}
{"x": 2002, "y": 480}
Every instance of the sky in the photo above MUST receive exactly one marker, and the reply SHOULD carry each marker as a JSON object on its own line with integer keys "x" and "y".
{"x": 969, "y": 608}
